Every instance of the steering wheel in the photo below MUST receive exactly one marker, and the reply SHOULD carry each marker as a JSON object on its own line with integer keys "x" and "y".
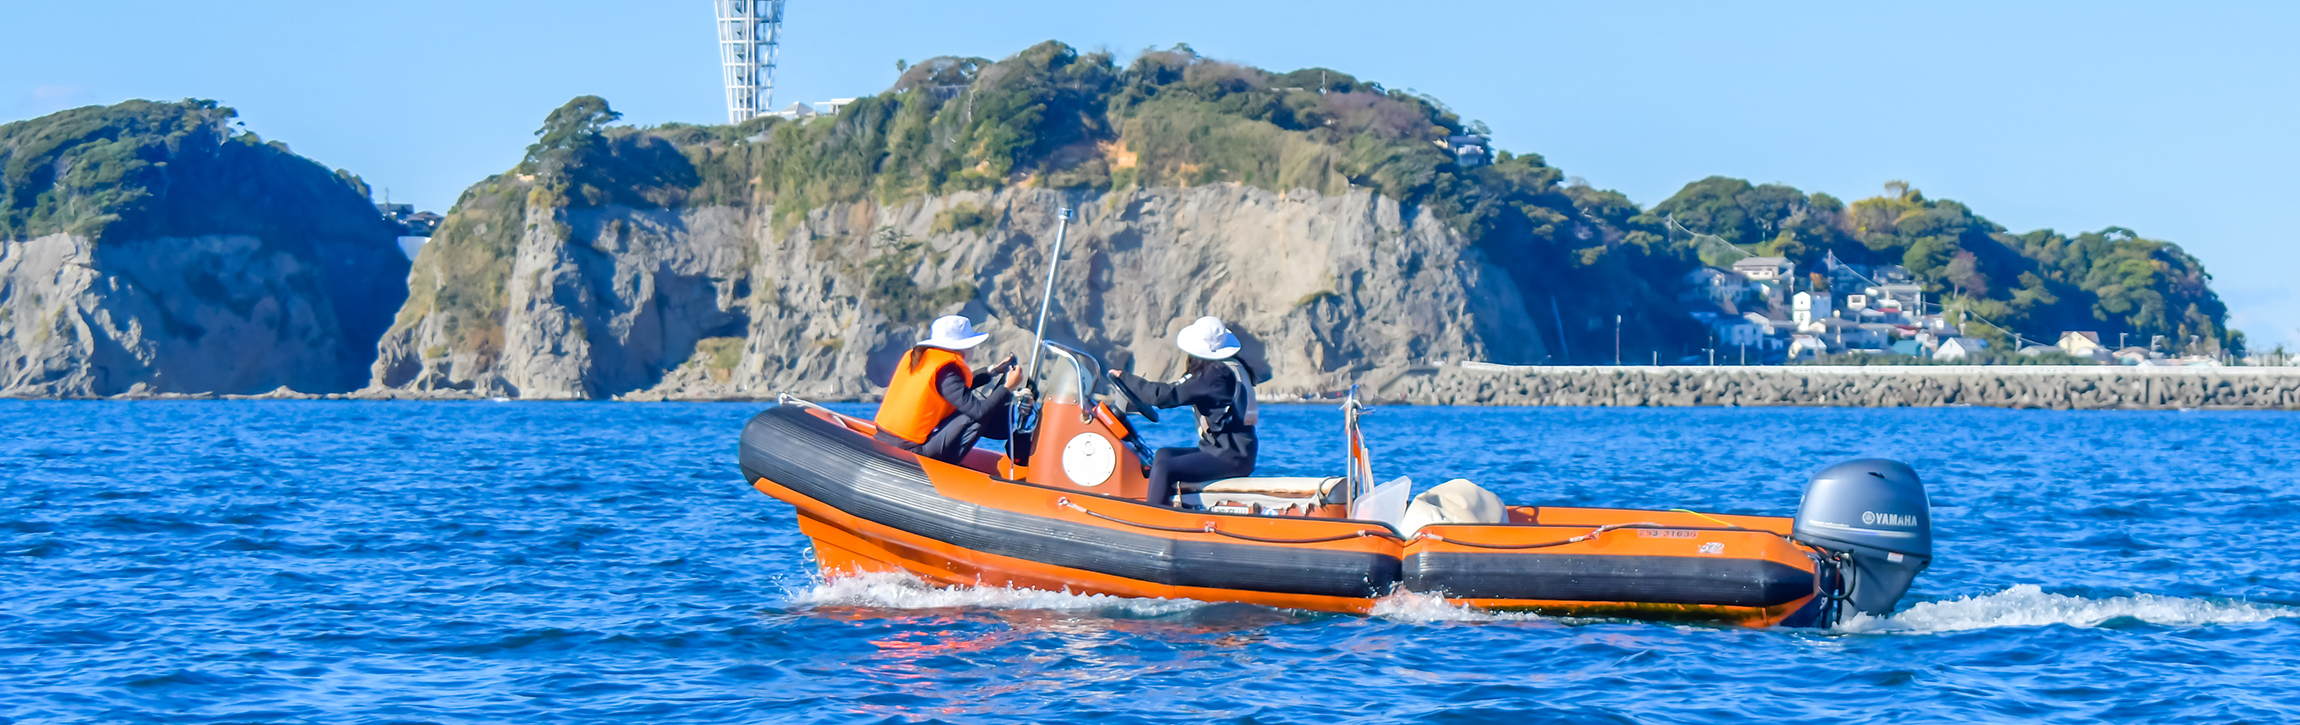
{"x": 1133, "y": 401}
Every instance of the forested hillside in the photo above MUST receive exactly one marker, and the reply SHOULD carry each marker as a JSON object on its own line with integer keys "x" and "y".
{"x": 145, "y": 169}
{"x": 1051, "y": 117}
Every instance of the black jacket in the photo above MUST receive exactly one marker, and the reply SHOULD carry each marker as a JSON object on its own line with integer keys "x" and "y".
{"x": 987, "y": 398}
{"x": 1212, "y": 394}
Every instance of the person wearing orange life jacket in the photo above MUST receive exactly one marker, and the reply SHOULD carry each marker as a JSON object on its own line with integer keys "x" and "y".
{"x": 935, "y": 406}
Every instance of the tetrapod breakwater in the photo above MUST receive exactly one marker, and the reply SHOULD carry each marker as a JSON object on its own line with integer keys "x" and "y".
{"x": 1878, "y": 386}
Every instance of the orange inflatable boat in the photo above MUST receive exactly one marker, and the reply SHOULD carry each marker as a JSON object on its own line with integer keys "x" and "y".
{"x": 1063, "y": 510}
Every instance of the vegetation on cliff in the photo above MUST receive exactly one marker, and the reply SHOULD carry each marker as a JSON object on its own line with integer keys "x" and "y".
{"x": 143, "y": 169}
{"x": 1053, "y": 117}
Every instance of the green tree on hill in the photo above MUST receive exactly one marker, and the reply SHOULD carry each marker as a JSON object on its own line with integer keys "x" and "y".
{"x": 144, "y": 169}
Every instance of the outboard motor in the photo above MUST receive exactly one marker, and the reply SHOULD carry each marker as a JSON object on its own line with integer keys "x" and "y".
{"x": 1872, "y": 515}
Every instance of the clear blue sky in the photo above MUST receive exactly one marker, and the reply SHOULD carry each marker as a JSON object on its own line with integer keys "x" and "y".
{"x": 2178, "y": 120}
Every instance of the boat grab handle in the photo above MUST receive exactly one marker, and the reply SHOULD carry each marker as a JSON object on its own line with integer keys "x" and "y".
{"x": 1593, "y": 533}
{"x": 1210, "y": 528}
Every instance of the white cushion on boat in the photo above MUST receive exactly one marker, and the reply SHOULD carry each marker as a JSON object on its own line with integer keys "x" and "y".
{"x": 1283, "y": 487}
{"x": 1454, "y": 502}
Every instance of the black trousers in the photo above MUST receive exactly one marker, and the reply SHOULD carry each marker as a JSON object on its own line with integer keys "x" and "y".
{"x": 1189, "y": 464}
{"x": 954, "y": 437}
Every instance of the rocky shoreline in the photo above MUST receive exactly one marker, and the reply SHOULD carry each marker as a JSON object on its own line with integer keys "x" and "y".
{"x": 2029, "y": 387}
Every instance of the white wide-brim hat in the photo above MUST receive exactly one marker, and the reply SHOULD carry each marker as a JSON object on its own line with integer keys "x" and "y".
{"x": 1207, "y": 338}
{"x": 953, "y": 332}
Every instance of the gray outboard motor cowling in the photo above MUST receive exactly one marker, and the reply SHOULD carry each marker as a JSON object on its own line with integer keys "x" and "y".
{"x": 1875, "y": 512}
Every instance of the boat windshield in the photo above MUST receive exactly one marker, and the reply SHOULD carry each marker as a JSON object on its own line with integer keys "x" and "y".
{"x": 1059, "y": 380}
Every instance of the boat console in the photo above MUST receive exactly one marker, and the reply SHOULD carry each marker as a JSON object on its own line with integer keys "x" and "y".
{"x": 1074, "y": 438}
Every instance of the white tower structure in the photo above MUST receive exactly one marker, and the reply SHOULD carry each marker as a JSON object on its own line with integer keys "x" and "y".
{"x": 749, "y": 30}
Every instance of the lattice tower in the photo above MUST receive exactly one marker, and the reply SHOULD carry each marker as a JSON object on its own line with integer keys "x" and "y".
{"x": 749, "y": 31}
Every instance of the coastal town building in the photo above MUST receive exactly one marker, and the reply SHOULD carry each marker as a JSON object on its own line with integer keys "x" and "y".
{"x": 1843, "y": 335}
{"x": 1716, "y": 285}
{"x": 1852, "y": 309}
{"x": 415, "y": 227}
{"x": 1808, "y": 310}
{"x": 800, "y": 111}
{"x": 2082, "y": 344}
{"x": 1740, "y": 332}
{"x": 1959, "y": 348}
{"x": 1804, "y": 346}
{"x": 832, "y": 106}
{"x": 1907, "y": 295}
{"x": 1766, "y": 269}
{"x": 1469, "y": 150}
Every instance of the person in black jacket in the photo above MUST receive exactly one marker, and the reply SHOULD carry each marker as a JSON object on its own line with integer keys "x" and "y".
{"x": 1220, "y": 388}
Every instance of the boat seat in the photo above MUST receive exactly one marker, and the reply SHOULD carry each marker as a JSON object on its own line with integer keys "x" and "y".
{"x": 1278, "y": 486}
{"x": 1269, "y": 496}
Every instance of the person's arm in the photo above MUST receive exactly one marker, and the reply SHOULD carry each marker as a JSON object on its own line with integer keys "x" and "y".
{"x": 979, "y": 406}
{"x": 1190, "y": 390}
{"x": 990, "y": 375}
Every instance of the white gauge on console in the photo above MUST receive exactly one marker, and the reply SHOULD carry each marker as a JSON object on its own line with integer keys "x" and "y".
{"x": 1089, "y": 459}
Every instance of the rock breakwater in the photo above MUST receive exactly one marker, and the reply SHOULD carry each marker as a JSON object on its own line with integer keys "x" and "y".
{"x": 2038, "y": 387}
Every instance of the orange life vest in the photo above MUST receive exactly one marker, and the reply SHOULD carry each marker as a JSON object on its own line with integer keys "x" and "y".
{"x": 913, "y": 407}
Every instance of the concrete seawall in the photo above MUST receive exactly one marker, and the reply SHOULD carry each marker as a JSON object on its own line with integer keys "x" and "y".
{"x": 2043, "y": 387}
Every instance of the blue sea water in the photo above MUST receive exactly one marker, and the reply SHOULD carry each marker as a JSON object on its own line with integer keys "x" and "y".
{"x": 534, "y": 562}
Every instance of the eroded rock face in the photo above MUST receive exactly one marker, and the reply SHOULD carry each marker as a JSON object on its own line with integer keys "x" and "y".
{"x": 210, "y": 314}
{"x": 718, "y": 302}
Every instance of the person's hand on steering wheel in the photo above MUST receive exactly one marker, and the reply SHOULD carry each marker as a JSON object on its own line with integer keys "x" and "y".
{"x": 1133, "y": 401}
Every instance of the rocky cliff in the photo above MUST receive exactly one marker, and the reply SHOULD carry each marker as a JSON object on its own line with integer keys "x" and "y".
{"x": 206, "y": 314}
{"x": 149, "y": 248}
{"x": 715, "y": 302}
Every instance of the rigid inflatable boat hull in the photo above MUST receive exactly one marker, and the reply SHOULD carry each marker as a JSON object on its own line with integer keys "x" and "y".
{"x": 871, "y": 507}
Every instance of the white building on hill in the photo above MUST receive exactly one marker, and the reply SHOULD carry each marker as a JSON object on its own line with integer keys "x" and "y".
{"x": 1959, "y": 348}
{"x": 1808, "y": 309}
{"x": 1766, "y": 269}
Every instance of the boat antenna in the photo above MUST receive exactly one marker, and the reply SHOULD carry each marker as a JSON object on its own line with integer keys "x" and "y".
{"x": 1046, "y": 300}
